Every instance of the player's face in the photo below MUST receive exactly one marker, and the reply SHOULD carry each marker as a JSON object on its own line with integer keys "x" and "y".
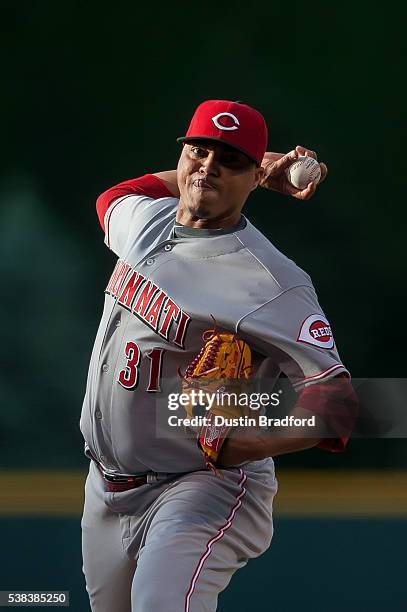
{"x": 214, "y": 182}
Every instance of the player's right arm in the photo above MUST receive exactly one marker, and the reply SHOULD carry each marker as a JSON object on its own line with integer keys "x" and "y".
{"x": 124, "y": 207}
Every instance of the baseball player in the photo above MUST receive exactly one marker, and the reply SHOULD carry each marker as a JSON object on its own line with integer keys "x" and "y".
{"x": 161, "y": 531}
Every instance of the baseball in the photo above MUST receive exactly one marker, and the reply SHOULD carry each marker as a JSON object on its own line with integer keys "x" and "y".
{"x": 303, "y": 171}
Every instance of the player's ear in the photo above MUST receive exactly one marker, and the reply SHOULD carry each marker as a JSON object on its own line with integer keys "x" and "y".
{"x": 259, "y": 173}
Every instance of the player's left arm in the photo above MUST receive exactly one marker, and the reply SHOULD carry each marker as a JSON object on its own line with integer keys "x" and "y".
{"x": 301, "y": 343}
{"x": 275, "y": 179}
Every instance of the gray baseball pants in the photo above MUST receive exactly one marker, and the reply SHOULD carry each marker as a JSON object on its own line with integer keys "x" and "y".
{"x": 173, "y": 545}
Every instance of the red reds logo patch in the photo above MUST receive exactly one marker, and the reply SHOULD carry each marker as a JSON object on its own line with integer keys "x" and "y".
{"x": 316, "y": 331}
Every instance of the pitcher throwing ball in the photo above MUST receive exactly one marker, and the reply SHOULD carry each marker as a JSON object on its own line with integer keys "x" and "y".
{"x": 196, "y": 289}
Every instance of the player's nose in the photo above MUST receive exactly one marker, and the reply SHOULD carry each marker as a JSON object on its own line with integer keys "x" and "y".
{"x": 210, "y": 164}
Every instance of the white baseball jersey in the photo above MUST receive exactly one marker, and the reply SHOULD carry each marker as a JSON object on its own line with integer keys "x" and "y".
{"x": 158, "y": 303}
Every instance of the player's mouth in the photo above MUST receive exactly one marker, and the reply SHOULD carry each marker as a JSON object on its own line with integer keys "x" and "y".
{"x": 202, "y": 184}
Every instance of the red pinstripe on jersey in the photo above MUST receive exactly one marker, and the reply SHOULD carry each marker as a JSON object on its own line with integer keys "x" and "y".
{"x": 318, "y": 376}
{"x": 218, "y": 536}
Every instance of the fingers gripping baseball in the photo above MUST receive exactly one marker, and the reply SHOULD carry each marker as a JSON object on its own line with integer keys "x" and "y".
{"x": 276, "y": 168}
{"x": 308, "y": 153}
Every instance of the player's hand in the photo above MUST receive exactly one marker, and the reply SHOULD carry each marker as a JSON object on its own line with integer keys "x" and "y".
{"x": 275, "y": 166}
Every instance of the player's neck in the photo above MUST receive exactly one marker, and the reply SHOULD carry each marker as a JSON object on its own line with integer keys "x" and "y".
{"x": 184, "y": 217}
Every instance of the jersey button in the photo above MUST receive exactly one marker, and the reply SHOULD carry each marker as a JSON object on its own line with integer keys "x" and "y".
{"x": 150, "y": 261}
{"x": 98, "y": 414}
{"x": 117, "y": 322}
{"x": 168, "y": 247}
{"x": 105, "y": 367}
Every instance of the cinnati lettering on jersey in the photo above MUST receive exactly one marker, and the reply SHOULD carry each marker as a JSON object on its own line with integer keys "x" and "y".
{"x": 148, "y": 302}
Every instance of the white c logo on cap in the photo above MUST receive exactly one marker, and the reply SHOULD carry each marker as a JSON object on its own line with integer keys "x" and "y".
{"x": 216, "y": 118}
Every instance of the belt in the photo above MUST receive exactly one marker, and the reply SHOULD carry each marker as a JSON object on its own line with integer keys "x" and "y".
{"x": 116, "y": 484}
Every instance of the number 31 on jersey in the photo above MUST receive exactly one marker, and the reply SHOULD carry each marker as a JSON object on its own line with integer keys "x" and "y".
{"x": 129, "y": 376}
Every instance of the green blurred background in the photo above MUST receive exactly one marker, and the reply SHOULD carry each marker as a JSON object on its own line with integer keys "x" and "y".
{"x": 93, "y": 94}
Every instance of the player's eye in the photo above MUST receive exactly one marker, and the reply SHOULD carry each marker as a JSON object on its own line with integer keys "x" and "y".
{"x": 229, "y": 158}
{"x": 233, "y": 160}
{"x": 198, "y": 152}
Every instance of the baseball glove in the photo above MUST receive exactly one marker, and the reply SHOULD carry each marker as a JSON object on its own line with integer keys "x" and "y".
{"x": 218, "y": 375}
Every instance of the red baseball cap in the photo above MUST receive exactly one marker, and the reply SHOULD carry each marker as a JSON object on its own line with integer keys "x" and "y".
{"x": 233, "y": 123}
